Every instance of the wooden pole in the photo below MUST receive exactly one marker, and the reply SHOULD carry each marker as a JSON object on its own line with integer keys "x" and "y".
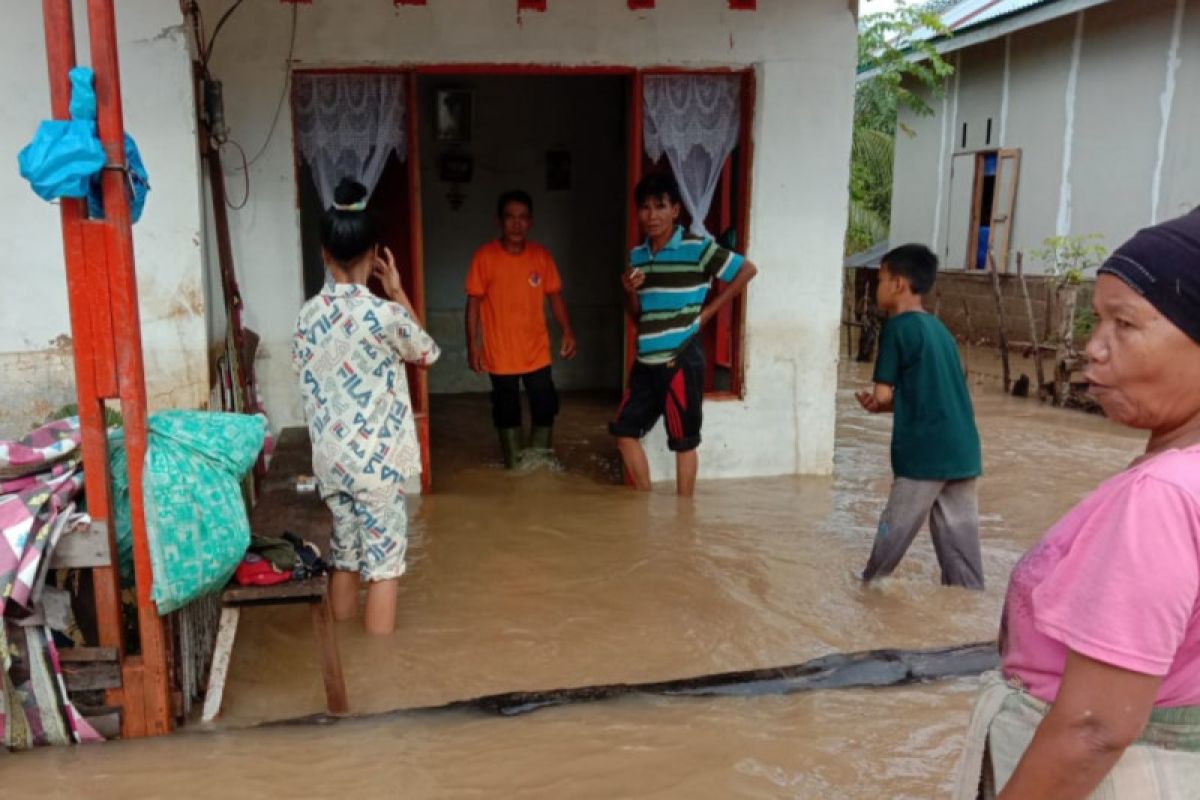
{"x": 1000, "y": 322}
{"x": 92, "y": 334}
{"x": 1033, "y": 332}
{"x": 1066, "y": 296}
{"x": 147, "y": 713}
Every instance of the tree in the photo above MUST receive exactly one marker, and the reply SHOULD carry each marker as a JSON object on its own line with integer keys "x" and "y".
{"x": 900, "y": 62}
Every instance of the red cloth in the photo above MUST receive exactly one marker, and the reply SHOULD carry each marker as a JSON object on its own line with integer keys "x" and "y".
{"x": 257, "y": 571}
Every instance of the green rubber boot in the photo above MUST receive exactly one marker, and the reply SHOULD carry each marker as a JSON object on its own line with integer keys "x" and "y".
{"x": 540, "y": 438}
{"x": 510, "y": 446}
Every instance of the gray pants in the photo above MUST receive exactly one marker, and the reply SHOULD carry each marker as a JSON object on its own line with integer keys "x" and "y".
{"x": 952, "y": 509}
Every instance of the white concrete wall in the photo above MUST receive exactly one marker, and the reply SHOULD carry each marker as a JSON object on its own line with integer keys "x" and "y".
{"x": 1091, "y": 149}
{"x": 35, "y": 333}
{"x": 803, "y": 54}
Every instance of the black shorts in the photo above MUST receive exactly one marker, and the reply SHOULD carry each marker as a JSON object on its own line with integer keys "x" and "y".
{"x": 675, "y": 390}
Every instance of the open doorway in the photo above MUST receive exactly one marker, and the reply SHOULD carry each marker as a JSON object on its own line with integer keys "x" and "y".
{"x": 563, "y": 139}
{"x": 983, "y": 190}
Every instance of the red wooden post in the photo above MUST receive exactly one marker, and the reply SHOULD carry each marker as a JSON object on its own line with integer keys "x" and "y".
{"x": 152, "y": 665}
{"x": 93, "y": 357}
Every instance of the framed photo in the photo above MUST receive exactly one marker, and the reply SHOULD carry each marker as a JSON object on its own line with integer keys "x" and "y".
{"x": 453, "y": 115}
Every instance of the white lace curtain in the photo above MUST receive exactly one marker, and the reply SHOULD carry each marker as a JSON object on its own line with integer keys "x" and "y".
{"x": 347, "y": 126}
{"x": 694, "y": 119}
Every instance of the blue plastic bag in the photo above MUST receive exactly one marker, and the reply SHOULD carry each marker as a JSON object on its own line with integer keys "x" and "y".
{"x": 65, "y": 157}
{"x": 139, "y": 184}
{"x": 83, "y": 94}
{"x": 62, "y": 158}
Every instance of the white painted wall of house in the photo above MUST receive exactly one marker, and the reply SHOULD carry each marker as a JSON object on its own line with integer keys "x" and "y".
{"x": 36, "y": 368}
{"x": 803, "y": 54}
{"x": 1117, "y": 125}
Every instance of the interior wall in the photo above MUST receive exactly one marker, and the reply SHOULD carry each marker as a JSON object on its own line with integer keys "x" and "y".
{"x": 516, "y": 120}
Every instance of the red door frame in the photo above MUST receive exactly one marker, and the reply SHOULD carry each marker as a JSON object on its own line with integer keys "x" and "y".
{"x": 414, "y": 72}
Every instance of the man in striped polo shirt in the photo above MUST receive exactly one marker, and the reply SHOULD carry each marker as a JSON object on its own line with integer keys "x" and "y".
{"x": 667, "y": 282}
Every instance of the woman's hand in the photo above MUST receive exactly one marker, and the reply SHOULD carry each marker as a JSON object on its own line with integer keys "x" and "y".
{"x": 386, "y": 271}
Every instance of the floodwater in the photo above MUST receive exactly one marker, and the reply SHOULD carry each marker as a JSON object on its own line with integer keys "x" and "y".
{"x": 548, "y": 579}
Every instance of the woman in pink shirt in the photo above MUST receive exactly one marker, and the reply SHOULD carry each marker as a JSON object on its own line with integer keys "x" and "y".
{"x": 1100, "y": 640}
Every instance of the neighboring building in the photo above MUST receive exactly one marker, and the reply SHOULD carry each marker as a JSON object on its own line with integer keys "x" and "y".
{"x": 467, "y": 98}
{"x": 1063, "y": 117}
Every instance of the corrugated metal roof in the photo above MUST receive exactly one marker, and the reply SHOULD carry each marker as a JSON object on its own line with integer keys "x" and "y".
{"x": 967, "y": 14}
{"x": 976, "y": 21}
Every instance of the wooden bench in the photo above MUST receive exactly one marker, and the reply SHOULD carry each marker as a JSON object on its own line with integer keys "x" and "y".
{"x": 281, "y": 508}
{"x": 314, "y": 592}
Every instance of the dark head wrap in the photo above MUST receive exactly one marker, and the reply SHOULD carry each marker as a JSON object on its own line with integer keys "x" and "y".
{"x": 1162, "y": 264}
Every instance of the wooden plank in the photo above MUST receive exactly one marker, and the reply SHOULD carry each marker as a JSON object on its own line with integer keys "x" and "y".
{"x": 83, "y": 549}
{"x": 331, "y": 662}
{"x": 83, "y": 655}
{"x": 92, "y": 675}
{"x": 219, "y": 670}
{"x": 107, "y": 725}
{"x": 291, "y": 591}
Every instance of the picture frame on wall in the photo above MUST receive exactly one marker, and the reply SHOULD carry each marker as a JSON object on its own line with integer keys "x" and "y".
{"x": 453, "y": 115}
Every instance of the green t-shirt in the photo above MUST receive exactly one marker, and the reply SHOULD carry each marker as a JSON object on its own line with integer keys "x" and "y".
{"x": 934, "y": 435}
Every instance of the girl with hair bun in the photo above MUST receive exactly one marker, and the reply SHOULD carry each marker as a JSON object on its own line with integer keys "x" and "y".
{"x": 349, "y": 350}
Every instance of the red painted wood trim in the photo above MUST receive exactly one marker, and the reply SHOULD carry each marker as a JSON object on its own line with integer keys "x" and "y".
{"x": 416, "y": 254}
{"x": 59, "y": 26}
{"x": 639, "y": 5}
{"x": 102, "y": 29}
{"x": 745, "y": 164}
{"x": 408, "y": 2}
{"x": 743, "y": 5}
{"x": 531, "y": 5}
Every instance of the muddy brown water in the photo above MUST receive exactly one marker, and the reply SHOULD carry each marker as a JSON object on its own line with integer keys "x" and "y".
{"x": 551, "y": 579}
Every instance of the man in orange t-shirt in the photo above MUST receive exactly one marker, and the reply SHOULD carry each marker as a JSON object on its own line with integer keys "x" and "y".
{"x": 507, "y": 286}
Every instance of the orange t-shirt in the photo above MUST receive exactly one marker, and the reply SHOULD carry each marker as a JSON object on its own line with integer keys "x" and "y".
{"x": 513, "y": 291}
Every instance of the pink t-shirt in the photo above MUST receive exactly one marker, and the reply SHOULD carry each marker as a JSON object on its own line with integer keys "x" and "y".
{"x": 1118, "y": 580}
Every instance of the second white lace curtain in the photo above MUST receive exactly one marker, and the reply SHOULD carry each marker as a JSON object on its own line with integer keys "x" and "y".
{"x": 694, "y": 120}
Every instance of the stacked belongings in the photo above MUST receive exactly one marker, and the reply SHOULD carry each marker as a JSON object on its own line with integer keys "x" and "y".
{"x": 40, "y": 478}
{"x": 269, "y": 561}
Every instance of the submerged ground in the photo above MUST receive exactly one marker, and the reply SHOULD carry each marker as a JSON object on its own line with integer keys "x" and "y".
{"x": 550, "y": 579}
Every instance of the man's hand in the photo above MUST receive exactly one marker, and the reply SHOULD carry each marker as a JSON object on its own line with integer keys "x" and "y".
{"x": 567, "y": 349}
{"x": 632, "y": 279}
{"x": 475, "y": 358}
{"x": 385, "y": 270}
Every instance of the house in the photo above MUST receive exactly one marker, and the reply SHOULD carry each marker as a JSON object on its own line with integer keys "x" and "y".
{"x": 1062, "y": 118}
{"x": 441, "y": 104}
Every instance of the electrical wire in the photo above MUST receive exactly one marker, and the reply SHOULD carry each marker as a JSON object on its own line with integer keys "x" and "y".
{"x": 217, "y": 30}
{"x": 247, "y": 163}
{"x": 245, "y": 171}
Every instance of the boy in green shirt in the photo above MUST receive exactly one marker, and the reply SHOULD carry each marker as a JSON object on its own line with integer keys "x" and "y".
{"x": 935, "y": 445}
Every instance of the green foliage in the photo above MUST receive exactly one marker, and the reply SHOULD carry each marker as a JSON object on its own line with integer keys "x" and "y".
{"x": 1067, "y": 258}
{"x": 1083, "y": 325}
{"x": 886, "y": 47}
{"x": 112, "y": 417}
{"x": 876, "y": 101}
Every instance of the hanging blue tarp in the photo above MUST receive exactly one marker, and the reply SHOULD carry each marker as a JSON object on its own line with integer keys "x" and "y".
{"x": 65, "y": 157}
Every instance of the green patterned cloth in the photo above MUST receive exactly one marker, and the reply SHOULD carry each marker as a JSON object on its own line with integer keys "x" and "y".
{"x": 195, "y": 513}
